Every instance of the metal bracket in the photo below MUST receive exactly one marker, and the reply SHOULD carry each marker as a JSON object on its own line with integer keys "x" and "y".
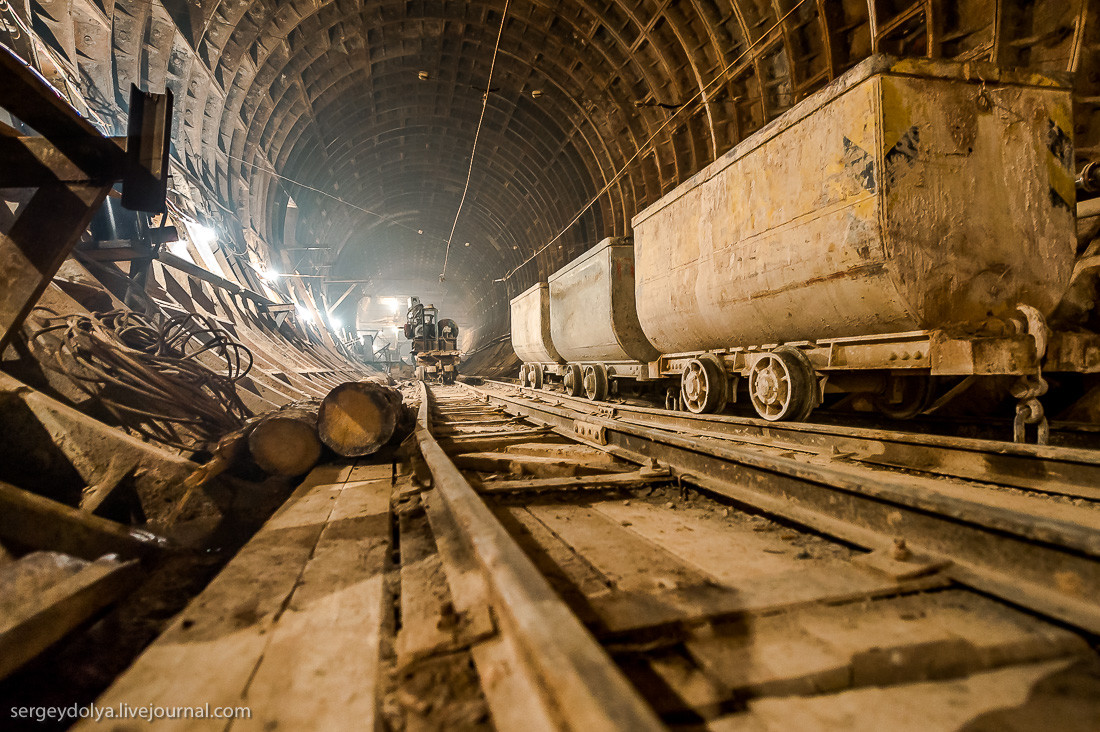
{"x": 591, "y": 432}
{"x": 1028, "y": 389}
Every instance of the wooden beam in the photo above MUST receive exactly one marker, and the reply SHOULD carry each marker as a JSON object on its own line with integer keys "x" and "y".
{"x": 36, "y": 620}
{"x": 610, "y": 480}
{"x": 23, "y": 93}
{"x": 35, "y": 522}
{"x": 351, "y": 288}
{"x": 39, "y": 241}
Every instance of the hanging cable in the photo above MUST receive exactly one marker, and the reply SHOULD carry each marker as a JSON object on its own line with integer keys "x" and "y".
{"x": 645, "y": 147}
{"x": 477, "y": 133}
{"x": 300, "y": 184}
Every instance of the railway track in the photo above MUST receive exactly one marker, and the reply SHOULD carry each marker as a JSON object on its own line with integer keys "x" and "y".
{"x": 1055, "y": 470}
{"x": 603, "y": 571}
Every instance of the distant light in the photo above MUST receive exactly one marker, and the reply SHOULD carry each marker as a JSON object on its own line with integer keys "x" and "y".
{"x": 391, "y": 303}
{"x": 419, "y": 231}
{"x": 204, "y": 234}
{"x": 336, "y": 323}
{"x": 271, "y": 275}
{"x": 467, "y": 243}
{"x": 304, "y": 314}
{"x": 424, "y": 75}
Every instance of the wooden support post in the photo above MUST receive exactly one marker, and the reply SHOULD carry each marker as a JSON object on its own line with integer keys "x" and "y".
{"x": 39, "y": 240}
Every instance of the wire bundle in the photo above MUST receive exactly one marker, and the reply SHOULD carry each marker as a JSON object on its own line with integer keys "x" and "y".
{"x": 149, "y": 376}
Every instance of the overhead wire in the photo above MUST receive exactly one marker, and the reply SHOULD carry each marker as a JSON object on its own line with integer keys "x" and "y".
{"x": 272, "y": 171}
{"x": 477, "y": 134}
{"x": 646, "y": 146}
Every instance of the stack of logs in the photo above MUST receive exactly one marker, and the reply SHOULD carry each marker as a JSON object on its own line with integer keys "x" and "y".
{"x": 356, "y": 418}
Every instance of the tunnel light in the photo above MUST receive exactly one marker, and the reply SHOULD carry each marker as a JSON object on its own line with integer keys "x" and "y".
{"x": 204, "y": 235}
{"x": 467, "y": 243}
{"x": 305, "y": 315}
{"x": 336, "y": 323}
{"x": 391, "y": 303}
{"x": 271, "y": 275}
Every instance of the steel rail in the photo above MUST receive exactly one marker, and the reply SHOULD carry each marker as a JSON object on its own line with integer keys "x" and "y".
{"x": 1024, "y": 549}
{"x": 587, "y": 689}
{"x": 1065, "y": 471}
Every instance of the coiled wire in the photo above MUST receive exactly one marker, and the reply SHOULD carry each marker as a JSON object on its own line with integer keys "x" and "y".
{"x": 149, "y": 376}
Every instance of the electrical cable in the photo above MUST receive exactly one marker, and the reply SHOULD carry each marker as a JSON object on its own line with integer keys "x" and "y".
{"x": 645, "y": 147}
{"x": 477, "y": 133}
{"x": 149, "y": 376}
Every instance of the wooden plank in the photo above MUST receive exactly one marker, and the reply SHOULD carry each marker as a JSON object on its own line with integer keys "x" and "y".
{"x": 426, "y": 610}
{"x": 535, "y": 465}
{"x": 211, "y": 649}
{"x": 23, "y": 93}
{"x": 320, "y": 667}
{"x": 32, "y": 621}
{"x": 36, "y": 522}
{"x": 488, "y": 442}
{"x": 673, "y": 684}
{"x": 514, "y": 694}
{"x": 102, "y": 454}
{"x": 1050, "y": 695}
{"x": 38, "y": 242}
{"x": 731, "y": 549}
{"x": 612, "y": 480}
{"x": 469, "y": 589}
{"x": 630, "y": 561}
{"x": 629, "y": 612}
{"x": 571, "y": 574}
{"x": 903, "y": 639}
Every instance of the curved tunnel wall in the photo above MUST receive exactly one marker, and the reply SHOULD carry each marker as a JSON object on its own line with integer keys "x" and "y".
{"x": 329, "y": 94}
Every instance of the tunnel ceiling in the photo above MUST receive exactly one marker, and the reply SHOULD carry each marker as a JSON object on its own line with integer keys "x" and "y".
{"x": 376, "y": 103}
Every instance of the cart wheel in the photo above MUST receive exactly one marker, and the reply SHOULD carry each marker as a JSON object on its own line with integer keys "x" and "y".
{"x": 574, "y": 380}
{"x": 782, "y": 385}
{"x": 703, "y": 385}
{"x": 906, "y": 396}
{"x": 536, "y": 377}
{"x": 595, "y": 382}
{"x": 523, "y": 375}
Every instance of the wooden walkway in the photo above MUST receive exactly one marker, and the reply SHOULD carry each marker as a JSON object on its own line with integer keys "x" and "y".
{"x": 291, "y": 627}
